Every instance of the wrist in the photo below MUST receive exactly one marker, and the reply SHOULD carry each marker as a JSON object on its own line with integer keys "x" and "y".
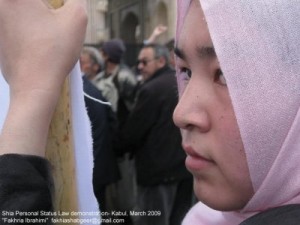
{"x": 26, "y": 127}
{"x": 45, "y": 98}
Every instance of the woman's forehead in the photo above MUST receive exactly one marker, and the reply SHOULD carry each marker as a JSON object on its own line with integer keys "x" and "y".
{"x": 194, "y": 36}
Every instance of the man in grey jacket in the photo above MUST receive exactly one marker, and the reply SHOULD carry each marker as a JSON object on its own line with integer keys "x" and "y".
{"x": 117, "y": 82}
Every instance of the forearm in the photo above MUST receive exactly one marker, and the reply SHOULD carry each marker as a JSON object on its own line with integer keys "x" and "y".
{"x": 160, "y": 29}
{"x": 25, "y": 130}
{"x": 151, "y": 39}
{"x": 35, "y": 64}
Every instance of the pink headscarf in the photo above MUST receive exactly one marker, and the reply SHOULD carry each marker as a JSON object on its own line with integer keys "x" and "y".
{"x": 258, "y": 47}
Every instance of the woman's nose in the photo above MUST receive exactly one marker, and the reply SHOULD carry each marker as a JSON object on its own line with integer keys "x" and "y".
{"x": 192, "y": 112}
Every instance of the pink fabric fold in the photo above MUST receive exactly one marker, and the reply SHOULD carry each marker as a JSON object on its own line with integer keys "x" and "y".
{"x": 258, "y": 47}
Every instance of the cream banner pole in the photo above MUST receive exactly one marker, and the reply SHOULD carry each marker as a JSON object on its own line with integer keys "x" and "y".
{"x": 69, "y": 150}
{"x": 59, "y": 149}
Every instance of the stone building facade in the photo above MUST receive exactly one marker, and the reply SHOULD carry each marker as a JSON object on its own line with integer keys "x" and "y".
{"x": 97, "y": 30}
{"x": 134, "y": 20}
{"x": 131, "y": 20}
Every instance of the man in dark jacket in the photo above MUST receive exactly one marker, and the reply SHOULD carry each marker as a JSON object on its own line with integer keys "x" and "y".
{"x": 104, "y": 124}
{"x": 164, "y": 185}
{"x": 104, "y": 127}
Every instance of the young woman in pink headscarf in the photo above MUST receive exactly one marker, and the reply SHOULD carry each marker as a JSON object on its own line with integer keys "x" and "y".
{"x": 238, "y": 66}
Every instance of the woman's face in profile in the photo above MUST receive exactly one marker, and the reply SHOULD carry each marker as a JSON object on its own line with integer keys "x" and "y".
{"x": 205, "y": 115}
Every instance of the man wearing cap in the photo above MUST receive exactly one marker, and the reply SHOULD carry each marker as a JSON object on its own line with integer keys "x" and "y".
{"x": 118, "y": 85}
{"x": 117, "y": 82}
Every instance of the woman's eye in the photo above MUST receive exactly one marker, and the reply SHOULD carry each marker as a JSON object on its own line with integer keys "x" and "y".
{"x": 186, "y": 73}
{"x": 183, "y": 78}
{"x": 219, "y": 77}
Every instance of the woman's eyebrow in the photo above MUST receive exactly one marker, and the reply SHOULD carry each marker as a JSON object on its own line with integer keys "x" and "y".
{"x": 201, "y": 51}
{"x": 206, "y": 52}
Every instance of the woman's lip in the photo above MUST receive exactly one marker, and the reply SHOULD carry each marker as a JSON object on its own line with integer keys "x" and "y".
{"x": 195, "y": 161}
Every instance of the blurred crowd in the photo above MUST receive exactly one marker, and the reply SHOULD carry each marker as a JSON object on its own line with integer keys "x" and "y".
{"x": 139, "y": 166}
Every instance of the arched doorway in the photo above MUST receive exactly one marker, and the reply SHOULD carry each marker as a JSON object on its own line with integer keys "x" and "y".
{"x": 129, "y": 28}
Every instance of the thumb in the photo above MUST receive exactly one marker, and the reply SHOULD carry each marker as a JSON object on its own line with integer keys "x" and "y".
{"x": 75, "y": 8}
{"x": 74, "y": 15}
{"x": 72, "y": 3}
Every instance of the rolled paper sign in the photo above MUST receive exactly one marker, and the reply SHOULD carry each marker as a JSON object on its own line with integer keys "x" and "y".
{"x": 60, "y": 149}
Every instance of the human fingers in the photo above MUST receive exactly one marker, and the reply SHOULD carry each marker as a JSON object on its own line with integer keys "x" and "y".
{"x": 75, "y": 6}
{"x": 23, "y": 6}
{"x": 73, "y": 18}
{"x": 74, "y": 15}
{"x": 160, "y": 29}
